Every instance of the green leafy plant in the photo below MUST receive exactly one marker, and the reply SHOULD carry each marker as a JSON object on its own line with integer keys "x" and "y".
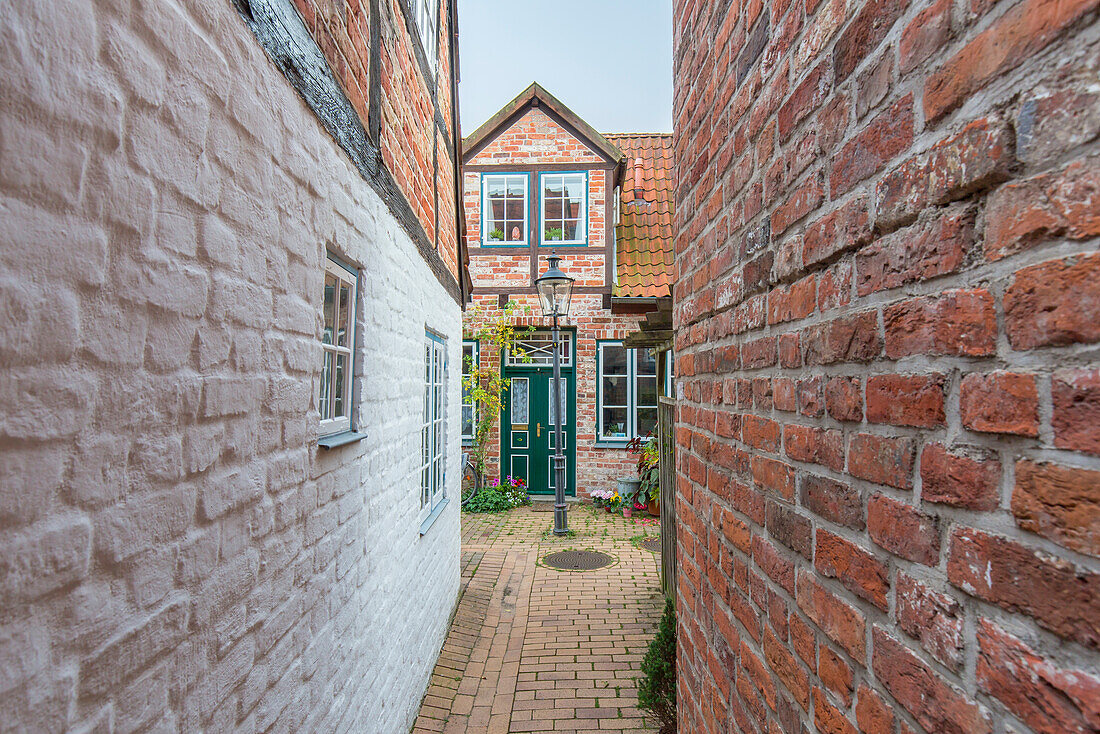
{"x": 496, "y": 235}
{"x": 553, "y": 234}
{"x": 657, "y": 689}
{"x": 500, "y": 496}
{"x": 648, "y": 466}
{"x": 486, "y": 386}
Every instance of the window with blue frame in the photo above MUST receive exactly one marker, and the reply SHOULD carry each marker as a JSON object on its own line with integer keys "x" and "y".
{"x": 504, "y": 209}
{"x": 433, "y": 437}
{"x": 564, "y": 208}
{"x": 626, "y": 394}
{"x": 469, "y": 405}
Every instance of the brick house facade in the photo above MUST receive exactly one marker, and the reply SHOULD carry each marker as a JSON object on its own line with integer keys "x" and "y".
{"x": 886, "y": 310}
{"x": 217, "y": 508}
{"x": 516, "y": 168}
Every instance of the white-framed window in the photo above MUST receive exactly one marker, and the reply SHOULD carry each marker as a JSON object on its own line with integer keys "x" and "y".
{"x": 564, "y": 208}
{"x": 426, "y": 14}
{"x": 433, "y": 434}
{"x": 470, "y": 355}
{"x": 626, "y": 393}
{"x": 504, "y": 209}
{"x": 337, "y": 345}
{"x": 537, "y": 349}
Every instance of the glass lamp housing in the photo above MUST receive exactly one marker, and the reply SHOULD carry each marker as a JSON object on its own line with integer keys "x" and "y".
{"x": 555, "y": 289}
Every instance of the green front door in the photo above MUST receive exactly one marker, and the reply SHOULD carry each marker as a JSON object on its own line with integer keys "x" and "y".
{"x": 527, "y": 428}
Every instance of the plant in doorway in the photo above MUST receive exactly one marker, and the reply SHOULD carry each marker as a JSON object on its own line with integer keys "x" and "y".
{"x": 648, "y": 471}
{"x": 657, "y": 688}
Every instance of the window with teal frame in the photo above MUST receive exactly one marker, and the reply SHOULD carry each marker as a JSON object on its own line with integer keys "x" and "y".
{"x": 626, "y": 394}
{"x": 504, "y": 209}
{"x": 564, "y": 205}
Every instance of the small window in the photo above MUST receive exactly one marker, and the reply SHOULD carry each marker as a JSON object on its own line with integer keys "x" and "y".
{"x": 564, "y": 208}
{"x": 469, "y": 405}
{"x": 337, "y": 346}
{"x": 425, "y": 13}
{"x": 433, "y": 436}
{"x": 627, "y": 392}
{"x": 504, "y": 209}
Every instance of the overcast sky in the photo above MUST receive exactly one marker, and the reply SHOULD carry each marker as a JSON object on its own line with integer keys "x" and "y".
{"x": 610, "y": 61}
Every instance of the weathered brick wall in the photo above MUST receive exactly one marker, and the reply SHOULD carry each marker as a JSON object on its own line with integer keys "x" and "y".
{"x": 887, "y": 305}
{"x": 176, "y": 553}
{"x": 417, "y": 139}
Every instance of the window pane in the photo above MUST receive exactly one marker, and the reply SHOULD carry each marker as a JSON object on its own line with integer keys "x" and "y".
{"x": 571, "y": 230}
{"x": 339, "y": 381}
{"x": 645, "y": 362}
{"x": 564, "y": 402}
{"x": 614, "y": 391}
{"x": 329, "y": 309}
{"x": 646, "y": 392}
{"x": 647, "y": 421}
{"x": 326, "y": 384}
{"x": 614, "y": 360}
{"x": 345, "y": 313}
{"x": 517, "y": 186}
{"x": 520, "y": 402}
{"x": 467, "y": 420}
{"x": 614, "y": 422}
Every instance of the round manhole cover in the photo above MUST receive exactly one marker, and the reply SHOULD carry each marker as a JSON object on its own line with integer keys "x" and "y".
{"x": 574, "y": 560}
{"x": 651, "y": 544}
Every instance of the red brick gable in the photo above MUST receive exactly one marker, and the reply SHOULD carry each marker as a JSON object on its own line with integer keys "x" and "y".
{"x": 536, "y": 137}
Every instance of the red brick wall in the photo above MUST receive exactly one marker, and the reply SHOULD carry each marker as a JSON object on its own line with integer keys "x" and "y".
{"x": 887, "y": 314}
{"x": 415, "y": 149}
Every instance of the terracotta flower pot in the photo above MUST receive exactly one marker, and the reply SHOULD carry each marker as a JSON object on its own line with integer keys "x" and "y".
{"x": 655, "y": 507}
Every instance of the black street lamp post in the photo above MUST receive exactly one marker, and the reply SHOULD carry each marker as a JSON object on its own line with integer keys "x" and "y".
{"x": 555, "y": 288}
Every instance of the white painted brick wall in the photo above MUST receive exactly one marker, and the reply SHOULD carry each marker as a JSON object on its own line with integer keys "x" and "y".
{"x": 175, "y": 551}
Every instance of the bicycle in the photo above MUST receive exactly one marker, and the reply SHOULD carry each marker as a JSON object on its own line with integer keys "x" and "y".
{"x": 471, "y": 479}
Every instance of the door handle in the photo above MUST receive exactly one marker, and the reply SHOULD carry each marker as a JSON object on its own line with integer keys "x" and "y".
{"x": 538, "y": 430}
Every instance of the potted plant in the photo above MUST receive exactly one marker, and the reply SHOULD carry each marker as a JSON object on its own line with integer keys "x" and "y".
{"x": 604, "y": 499}
{"x": 628, "y": 493}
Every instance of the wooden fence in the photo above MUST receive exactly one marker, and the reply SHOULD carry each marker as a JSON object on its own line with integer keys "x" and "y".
{"x": 666, "y": 431}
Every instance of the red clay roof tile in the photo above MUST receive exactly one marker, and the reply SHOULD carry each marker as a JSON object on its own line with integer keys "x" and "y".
{"x": 643, "y": 234}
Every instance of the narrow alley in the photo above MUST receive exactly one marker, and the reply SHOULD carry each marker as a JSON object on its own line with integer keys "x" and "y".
{"x": 535, "y": 649}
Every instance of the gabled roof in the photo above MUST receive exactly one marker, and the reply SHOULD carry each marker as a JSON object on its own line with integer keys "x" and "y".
{"x": 535, "y": 96}
{"x": 643, "y": 234}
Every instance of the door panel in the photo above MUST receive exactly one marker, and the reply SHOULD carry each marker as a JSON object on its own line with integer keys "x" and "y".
{"x": 527, "y": 438}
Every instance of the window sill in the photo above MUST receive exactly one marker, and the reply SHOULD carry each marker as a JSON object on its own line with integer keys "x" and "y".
{"x": 340, "y": 439}
{"x": 430, "y": 519}
{"x": 612, "y": 443}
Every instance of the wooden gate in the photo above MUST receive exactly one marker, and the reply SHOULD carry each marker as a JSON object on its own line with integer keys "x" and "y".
{"x": 666, "y": 431}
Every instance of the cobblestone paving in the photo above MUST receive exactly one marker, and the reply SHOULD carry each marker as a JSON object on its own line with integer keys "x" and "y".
{"x": 533, "y": 649}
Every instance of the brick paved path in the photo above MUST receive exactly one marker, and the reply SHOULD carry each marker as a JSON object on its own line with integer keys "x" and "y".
{"x": 532, "y": 649}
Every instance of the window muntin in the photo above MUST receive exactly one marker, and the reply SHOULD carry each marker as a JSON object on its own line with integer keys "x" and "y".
{"x": 470, "y": 353}
{"x": 424, "y": 12}
{"x": 504, "y": 209}
{"x": 626, "y": 393}
{"x": 337, "y": 344}
{"x": 564, "y": 208}
{"x": 433, "y": 425}
{"x": 538, "y": 350}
